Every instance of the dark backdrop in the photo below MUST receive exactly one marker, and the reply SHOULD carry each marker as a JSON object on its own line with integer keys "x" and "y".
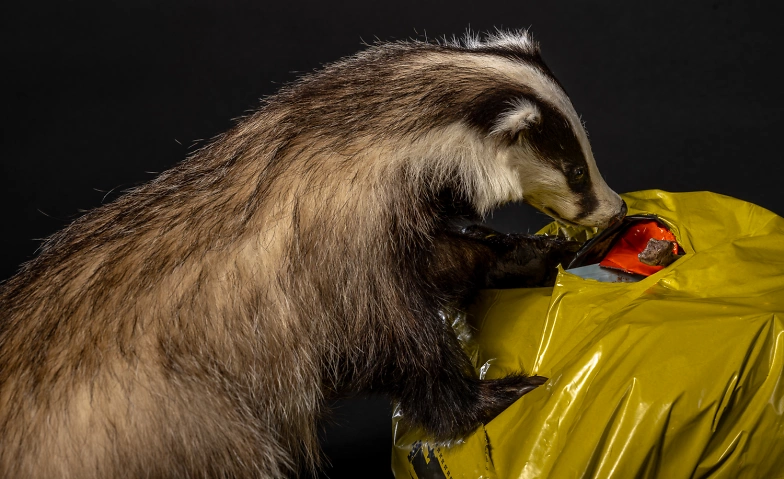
{"x": 100, "y": 95}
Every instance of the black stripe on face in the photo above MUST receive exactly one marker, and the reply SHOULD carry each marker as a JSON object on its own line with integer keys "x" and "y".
{"x": 556, "y": 143}
{"x": 588, "y": 204}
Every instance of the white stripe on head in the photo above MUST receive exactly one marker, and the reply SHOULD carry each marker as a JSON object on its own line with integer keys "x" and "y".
{"x": 519, "y": 40}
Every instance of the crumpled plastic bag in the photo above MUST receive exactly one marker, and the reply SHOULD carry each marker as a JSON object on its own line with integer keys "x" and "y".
{"x": 677, "y": 375}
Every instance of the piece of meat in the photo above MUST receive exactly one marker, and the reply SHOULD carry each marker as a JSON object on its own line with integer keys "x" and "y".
{"x": 658, "y": 253}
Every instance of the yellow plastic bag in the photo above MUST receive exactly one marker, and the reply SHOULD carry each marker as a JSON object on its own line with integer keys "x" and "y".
{"x": 678, "y": 375}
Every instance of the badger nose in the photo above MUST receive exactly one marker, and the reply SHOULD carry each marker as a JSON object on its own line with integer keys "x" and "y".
{"x": 620, "y": 216}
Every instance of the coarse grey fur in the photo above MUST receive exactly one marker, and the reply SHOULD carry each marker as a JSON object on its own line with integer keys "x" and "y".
{"x": 195, "y": 326}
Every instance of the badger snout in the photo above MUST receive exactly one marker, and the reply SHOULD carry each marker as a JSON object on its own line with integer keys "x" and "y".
{"x": 606, "y": 214}
{"x": 619, "y": 216}
{"x": 604, "y": 219}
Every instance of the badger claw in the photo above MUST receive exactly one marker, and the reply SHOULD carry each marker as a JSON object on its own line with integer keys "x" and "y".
{"x": 499, "y": 394}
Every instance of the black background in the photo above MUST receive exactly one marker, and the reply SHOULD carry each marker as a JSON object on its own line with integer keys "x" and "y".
{"x": 98, "y": 96}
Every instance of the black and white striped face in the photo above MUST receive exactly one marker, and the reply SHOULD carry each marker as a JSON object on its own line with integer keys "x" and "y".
{"x": 541, "y": 139}
{"x": 557, "y": 170}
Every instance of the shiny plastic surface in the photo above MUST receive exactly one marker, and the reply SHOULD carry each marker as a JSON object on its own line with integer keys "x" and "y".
{"x": 678, "y": 375}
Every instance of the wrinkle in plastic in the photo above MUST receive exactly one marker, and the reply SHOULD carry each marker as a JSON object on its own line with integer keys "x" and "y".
{"x": 678, "y": 375}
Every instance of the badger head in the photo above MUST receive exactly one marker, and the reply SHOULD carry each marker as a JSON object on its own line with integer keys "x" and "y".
{"x": 547, "y": 150}
{"x": 540, "y": 147}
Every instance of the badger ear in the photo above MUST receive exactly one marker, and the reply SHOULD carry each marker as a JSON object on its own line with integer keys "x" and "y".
{"x": 521, "y": 116}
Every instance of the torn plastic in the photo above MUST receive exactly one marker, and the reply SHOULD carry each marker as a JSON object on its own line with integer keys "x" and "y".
{"x": 614, "y": 255}
{"x": 680, "y": 374}
{"x": 625, "y": 254}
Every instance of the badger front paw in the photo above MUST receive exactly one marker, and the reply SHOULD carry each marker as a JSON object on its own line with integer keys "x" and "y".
{"x": 453, "y": 410}
{"x": 530, "y": 261}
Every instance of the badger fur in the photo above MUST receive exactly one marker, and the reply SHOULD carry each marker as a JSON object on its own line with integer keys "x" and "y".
{"x": 195, "y": 326}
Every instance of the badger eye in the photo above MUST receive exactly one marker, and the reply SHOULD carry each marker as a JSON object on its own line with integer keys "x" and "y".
{"x": 578, "y": 174}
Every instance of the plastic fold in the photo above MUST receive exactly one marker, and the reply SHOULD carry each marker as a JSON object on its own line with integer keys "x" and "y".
{"x": 678, "y": 375}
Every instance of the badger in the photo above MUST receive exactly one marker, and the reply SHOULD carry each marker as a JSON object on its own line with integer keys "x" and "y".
{"x": 197, "y": 325}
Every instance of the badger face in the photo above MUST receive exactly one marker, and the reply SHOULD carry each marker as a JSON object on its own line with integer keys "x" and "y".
{"x": 550, "y": 154}
{"x": 543, "y": 143}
